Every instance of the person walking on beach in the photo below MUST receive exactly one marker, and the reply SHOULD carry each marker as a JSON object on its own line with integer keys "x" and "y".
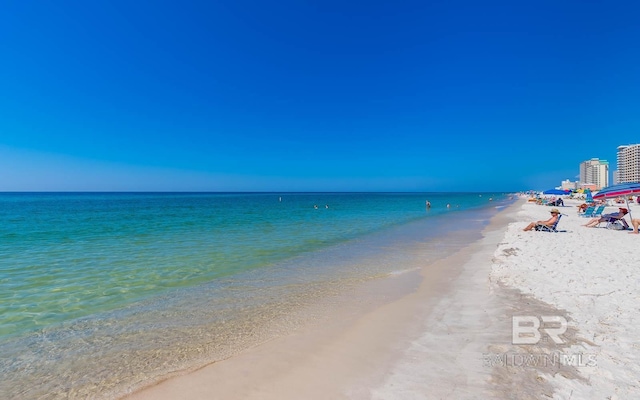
{"x": 635, "y": 223}
{"x": 555, "y": 214}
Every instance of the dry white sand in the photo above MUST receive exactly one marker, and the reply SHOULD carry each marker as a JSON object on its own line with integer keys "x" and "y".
{"x": 594, "y": 275}
{"x": 452, "y": 337}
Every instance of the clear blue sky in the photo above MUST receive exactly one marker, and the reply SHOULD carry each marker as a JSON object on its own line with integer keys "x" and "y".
{"x": 296, "y": 95}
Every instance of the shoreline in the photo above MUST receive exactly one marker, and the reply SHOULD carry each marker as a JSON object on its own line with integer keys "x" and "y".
{"x": 341, "y": 358}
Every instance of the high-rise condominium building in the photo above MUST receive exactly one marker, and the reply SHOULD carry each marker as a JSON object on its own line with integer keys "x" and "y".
{"x": 595, "y": 172}
{"x": 629, "y": 163}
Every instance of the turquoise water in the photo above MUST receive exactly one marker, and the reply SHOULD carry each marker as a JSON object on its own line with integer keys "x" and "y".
{"x": 184, "y": 277}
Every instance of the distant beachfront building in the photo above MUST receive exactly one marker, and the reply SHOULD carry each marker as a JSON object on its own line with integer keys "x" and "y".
{"x": 594, "y": 172}
{"x": 629, "y": 163}
{"x": 569, "y": 185}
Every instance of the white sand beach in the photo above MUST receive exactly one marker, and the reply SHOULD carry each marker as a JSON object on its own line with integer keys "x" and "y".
{"x": 452, "y": 337}
{"x": 591, "y": 274}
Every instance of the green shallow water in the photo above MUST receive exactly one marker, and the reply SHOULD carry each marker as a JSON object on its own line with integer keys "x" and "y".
{"x": 64, "y": 256}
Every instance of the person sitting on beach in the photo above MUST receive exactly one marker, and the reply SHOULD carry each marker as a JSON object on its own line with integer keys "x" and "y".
{"x": 583, "y": 207}
{"x": 555, "y": 214}
{"x": 636, "y": 224}
{"x": 607, "y": 217}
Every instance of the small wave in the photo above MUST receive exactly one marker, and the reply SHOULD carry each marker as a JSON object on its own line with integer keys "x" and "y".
{"x": 403, "y": 271}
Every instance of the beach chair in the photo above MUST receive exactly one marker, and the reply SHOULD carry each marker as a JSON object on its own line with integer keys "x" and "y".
{"x": 598, "y": 211}
{"x": 552, "y": 228}
{"x": 588, "y": 212}
{"x": 618, "y": 224}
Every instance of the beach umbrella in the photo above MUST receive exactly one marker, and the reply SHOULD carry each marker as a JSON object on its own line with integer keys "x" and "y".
{"x": 623, "y": 189}
{"x": 589, "y": 195}
{"x": 556, "y": 192}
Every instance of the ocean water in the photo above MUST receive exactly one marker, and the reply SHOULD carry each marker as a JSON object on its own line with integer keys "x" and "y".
{"x": 101, "y": 293}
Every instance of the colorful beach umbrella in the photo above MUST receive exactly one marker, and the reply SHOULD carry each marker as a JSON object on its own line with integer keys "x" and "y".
{"x": 622, "y": 189}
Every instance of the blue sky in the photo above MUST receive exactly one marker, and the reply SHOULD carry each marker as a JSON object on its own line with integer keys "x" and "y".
{"x": 313, "y": 96}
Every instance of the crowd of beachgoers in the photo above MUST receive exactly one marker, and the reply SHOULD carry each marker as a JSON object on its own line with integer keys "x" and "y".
{"x": 609, "y": 213}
